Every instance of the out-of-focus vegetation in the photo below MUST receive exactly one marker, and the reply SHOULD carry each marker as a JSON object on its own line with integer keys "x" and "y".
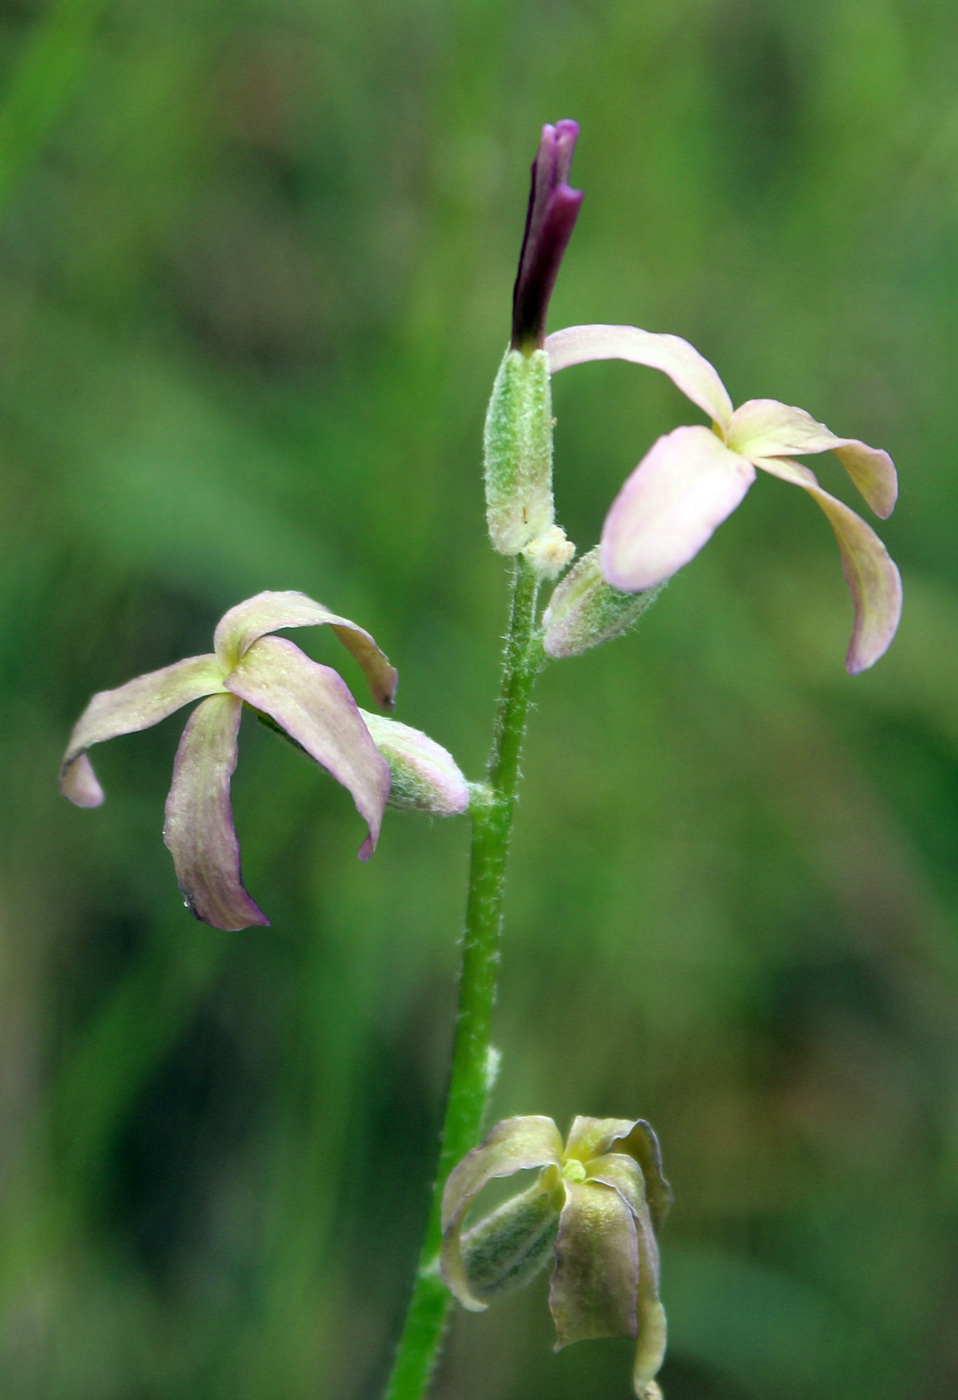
{"x": 255, "y": 268}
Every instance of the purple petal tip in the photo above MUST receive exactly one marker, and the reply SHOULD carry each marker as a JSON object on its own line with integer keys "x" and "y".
{"x": 553, "y": 209}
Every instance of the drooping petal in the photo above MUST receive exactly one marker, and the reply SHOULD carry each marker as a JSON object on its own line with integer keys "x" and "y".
{"x": 624, "y": 1175}
{"x": 874, "y": 580}
{"x": 425, "y": 776}
{"x": 595, "y": 1281}
{"x": 687, "y": 369}
{"x": 680, "y": 492}
{"x": 128, "y": 709}
{"x": 198, "y": 826}
{"x": 641, "y": 1143}
{"x": 313, "y": 705}
{"x": 767, "y": 428}
{"x": 238, "y": 629}
{"x": 514, "y": 1145}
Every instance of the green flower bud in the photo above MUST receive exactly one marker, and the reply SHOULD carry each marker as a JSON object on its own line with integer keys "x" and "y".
{"x": 518, "y": 452}
{"x": 585, "y": 611}
{"x": 508, "y": 1248}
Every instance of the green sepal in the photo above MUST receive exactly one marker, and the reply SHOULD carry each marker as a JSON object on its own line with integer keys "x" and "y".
{"x": 508, "y": 1248}
{"x": 585, "y": 611}
{"x": 518, "y": 452}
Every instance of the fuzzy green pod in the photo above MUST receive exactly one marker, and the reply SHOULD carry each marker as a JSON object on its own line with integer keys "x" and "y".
{"x": 585, "y": 611}
{"x": 518, "y": 452}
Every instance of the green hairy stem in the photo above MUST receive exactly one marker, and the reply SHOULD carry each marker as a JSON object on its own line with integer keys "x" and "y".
{"x": 470, "y": 1080}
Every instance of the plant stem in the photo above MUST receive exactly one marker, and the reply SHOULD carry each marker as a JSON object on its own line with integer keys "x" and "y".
{"x": 471, "y": 1079}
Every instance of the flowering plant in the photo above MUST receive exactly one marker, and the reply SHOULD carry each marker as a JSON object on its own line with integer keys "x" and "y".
{"x": 600, "y": 1197}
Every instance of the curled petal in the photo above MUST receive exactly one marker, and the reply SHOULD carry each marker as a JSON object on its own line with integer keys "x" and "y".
{"x": 595, "y": 1281}
{"x": 680, "y": 492}
{"x": 624, "y": 1175}
{"x": 641, "y": 1143}
{"x": 874, "y": 580}
{"x": 687, "y": 369}
{"x": 425, "y": 776}
{"x": 128, "y": 709}
{"x": 238, "y": 629}
{"x": 313, "y": 705}
{"x": 591, "y": 1138}
{"x": 514, "y": 1145}
{"x": 198, "y": 827}
{"x": 767, "y": 428}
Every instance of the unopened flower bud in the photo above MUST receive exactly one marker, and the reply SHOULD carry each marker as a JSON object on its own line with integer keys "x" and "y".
{"x": 425, "y": 776}
{"x": 508, "y": 1248}
{"x": 585, "y": 611}
{"x": 518, "y": 452}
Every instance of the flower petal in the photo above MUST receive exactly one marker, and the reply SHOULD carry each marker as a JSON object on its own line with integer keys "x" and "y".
{"x": 128, "y": 709}
{"x": 425, "y": 776}
{"x": 313, "y": 705}
{"x": 591, "y": 1138}
{"x": 198, "y": 826}
{"x": 641, "y": 1143}
{"x": 595, "y": 1281}
{"x": 680, "y": 492}
{"x": 767, "y": 428}
{"x": 514, "y": 1145}
{"x": 874, "y": 580}
{"x": 238, "y": 629}
{"x": 687, "y": 369}
{"x": 624, "y": 1175}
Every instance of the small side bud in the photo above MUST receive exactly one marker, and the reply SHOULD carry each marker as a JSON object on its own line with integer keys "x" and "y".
{"x": 585, "y": 611}
{"x": 518, "y": 452}
{"x": 550, "y": 553}
{"x": 507, "y": 1249}
{"x": 425, "y": 776}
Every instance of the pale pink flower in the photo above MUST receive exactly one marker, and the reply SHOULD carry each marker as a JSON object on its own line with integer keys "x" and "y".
{"x": 694, "y": 477}
{"x": 308, "y": 702}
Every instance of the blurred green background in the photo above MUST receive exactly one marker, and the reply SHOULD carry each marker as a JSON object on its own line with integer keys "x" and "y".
{"x": 255, "y": 268}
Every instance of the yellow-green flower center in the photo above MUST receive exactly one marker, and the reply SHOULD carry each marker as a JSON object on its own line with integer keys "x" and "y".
{"x": 573, "y": 1170}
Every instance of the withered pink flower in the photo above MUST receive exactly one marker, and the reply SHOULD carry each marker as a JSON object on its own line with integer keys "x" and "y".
{"x": 694, "y": 477}
{"x": 553, "y": 209}
{"x": 594, "y": 1209}
{"x": 309, "y": 702}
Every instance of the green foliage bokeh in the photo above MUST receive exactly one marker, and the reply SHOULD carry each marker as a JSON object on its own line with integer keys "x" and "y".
{"x": 255, "y": 270}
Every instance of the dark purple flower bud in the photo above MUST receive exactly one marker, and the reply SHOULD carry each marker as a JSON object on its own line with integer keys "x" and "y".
{"x": 553, "y": 208}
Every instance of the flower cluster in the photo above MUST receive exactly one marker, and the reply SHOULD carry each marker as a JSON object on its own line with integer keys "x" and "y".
{"x": 686, "y": 484}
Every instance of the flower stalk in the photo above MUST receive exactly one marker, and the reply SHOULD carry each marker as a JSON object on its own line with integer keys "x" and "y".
{"x": 491, "y": 809}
